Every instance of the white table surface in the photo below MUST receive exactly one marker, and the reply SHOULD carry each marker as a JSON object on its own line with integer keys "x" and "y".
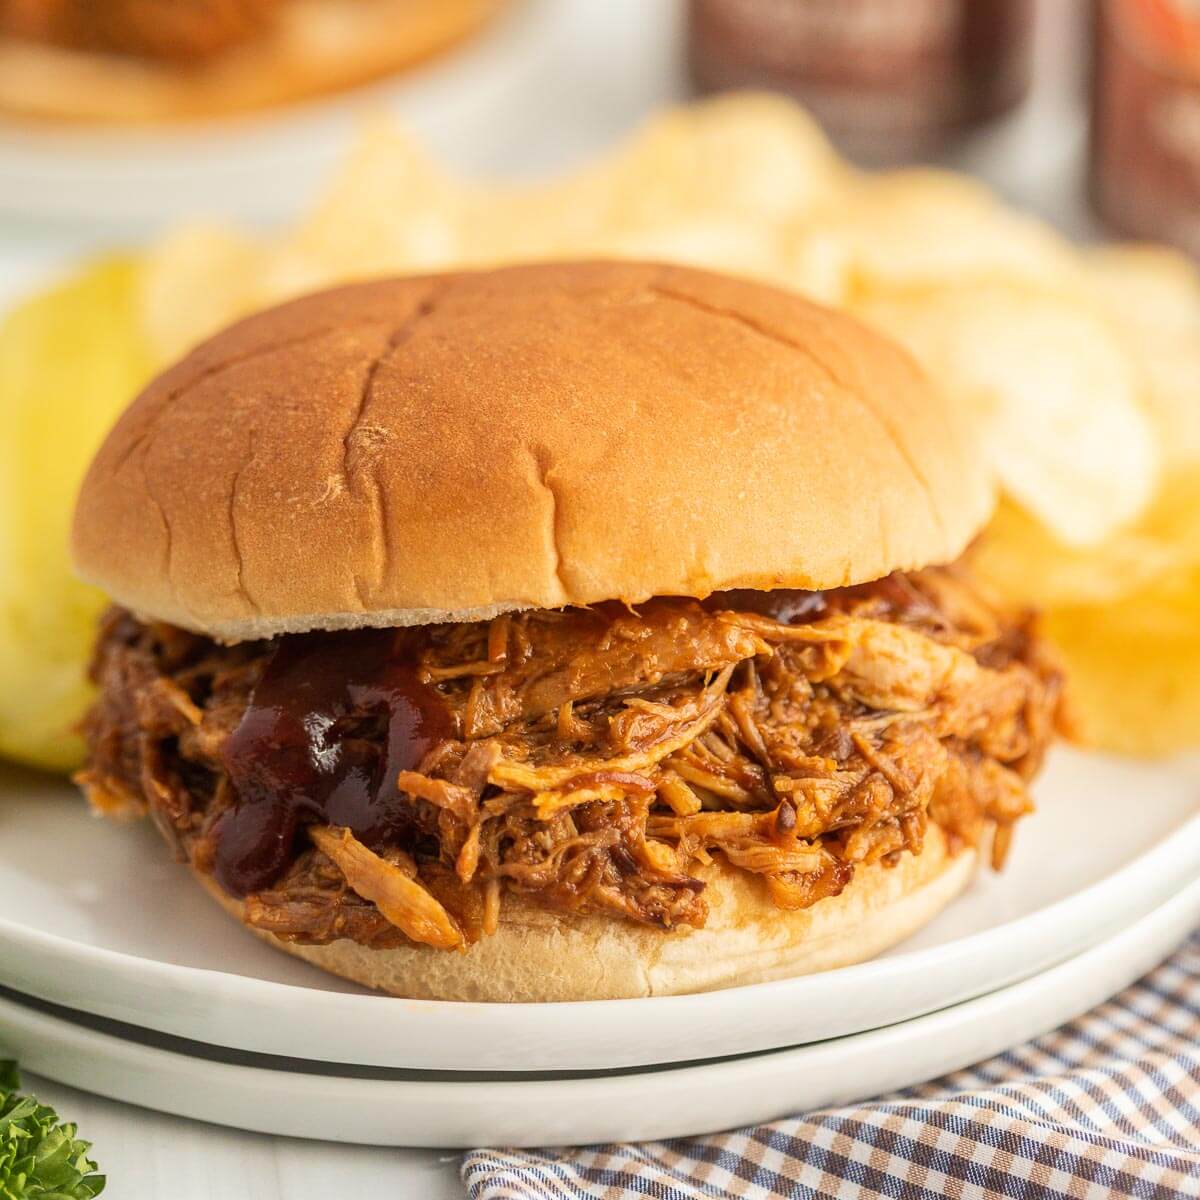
{"x": 149, "y": 1156}
{"x": 616, "y": 60}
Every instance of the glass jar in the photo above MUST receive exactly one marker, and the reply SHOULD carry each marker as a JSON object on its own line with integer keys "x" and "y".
{"x": 890, "y": 80}
{"x": 1145, "y": 129}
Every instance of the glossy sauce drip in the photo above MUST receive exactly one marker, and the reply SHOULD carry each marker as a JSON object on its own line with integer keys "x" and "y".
{"x": 787, "y": 605}
{"x": 893, "y": 596}
{"x": 300, "y": 753}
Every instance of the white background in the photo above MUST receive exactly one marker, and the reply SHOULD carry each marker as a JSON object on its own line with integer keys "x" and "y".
{"x": 599, "y": 66}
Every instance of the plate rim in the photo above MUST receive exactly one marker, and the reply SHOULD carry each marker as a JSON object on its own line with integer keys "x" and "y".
{"x": 1169, "y": 862}
{"x": 1111, "y": 957}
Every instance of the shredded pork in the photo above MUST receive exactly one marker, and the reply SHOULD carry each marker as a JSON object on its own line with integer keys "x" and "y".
{"x": 597, "y": 757}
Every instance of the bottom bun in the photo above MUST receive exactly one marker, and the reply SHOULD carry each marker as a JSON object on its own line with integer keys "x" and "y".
{"x": 540, "y": 955}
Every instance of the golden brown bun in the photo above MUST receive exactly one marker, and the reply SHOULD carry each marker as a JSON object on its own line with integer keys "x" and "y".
{"x": 537, "y": 955}
{"x": 314, "y": 47}
{"x": 450, "y": 447}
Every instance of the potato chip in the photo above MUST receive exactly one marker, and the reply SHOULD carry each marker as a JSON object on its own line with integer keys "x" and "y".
{"x": 1125, "y": 614}
{"x": 1023, "y": 559}
{"x": 1055, "y": 389}
{"x": 747, "y": 161}
{"x": 195, "y": 282}
{"x": 389, "y": 210}
{"x": 1133, "y": 667}
{"x": 922, "y": 228}
{"x": 1154, "y": 289}
{"x": 69, "y": 361}
{"x": 754, "y": 157}
{"x": 1154, "y": 295}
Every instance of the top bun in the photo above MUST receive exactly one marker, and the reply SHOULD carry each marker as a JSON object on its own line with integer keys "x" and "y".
{"x": 455, "y": 446}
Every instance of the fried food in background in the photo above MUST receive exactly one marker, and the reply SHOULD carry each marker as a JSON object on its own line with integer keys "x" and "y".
{"x": 185, "y": 31}
{"x": 1083, "y": 365}
{"x": 69, "y": 361}
{"x": 143, "y": 61}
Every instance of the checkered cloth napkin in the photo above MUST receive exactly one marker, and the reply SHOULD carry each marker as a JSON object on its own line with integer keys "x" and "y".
{"x": 1106, "y": 1106}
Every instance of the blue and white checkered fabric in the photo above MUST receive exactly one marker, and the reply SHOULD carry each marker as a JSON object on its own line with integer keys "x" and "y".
{"x": 1109, "y": 1105}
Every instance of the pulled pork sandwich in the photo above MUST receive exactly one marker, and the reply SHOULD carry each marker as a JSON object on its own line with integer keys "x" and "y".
{"x": 564, "y": 631}
{"x": 153, "y": 60}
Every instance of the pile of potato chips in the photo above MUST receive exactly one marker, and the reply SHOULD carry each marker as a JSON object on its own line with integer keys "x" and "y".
{"x": 1084, "y": 366}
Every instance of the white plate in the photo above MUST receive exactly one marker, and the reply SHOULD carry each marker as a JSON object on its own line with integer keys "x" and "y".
{"x": 98, "y": 919}
{"x": 258, "y": 167}
{"x": 440, "y": 1109}
{"x": 542, "y": 85}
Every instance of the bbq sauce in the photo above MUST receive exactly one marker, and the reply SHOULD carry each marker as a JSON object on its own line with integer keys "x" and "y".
{"x": 298, "y": 754}
{"x": 790, "y": 606}
{"x": 894, "y": 595}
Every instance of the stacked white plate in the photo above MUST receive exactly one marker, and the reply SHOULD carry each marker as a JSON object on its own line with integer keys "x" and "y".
{"x": 118, "y": 976}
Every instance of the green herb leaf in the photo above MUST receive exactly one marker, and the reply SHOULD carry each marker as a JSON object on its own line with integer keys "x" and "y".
{"x": 40, "y": 1158}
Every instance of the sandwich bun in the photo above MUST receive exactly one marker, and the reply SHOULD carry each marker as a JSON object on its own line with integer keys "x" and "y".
{"x": 451, "y": 447}
{"x": 542, "y": 955}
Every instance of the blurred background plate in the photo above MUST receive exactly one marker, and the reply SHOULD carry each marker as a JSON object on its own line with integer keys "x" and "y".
{"x": 259, "y": 166}
{"x": 528, "y": 93}
{"x": 97, "y": 918}
{"x": 427, "y": 1109}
